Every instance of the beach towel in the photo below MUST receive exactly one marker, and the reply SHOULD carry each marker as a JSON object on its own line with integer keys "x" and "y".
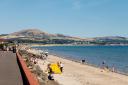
{"x": 55, "y": 68}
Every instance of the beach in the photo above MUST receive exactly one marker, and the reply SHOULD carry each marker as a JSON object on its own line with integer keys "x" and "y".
{"x": 79, "y": 74}
{"x": 76, "y": 73}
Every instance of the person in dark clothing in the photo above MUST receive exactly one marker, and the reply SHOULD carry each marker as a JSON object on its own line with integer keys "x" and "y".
{"x": 50, "y": 76}
{"x": 14, "y": 49}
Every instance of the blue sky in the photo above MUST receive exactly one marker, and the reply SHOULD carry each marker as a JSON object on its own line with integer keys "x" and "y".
{"x": 84, "y": 18}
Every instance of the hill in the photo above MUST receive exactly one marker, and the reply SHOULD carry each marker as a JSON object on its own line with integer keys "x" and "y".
{"x": 38, "y": 36}
{"x": 110, "y": 38}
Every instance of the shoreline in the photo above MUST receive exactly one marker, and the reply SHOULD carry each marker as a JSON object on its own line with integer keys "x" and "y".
{"x": 46, "y": 45}
{"x": 79, "y": 61}
{"x": 74, "y": 71}
{"x": 89, "y": 64}
{"x": 82, "y": 74}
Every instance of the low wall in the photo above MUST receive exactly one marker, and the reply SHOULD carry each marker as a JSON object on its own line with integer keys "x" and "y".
{"x": 28, "y": 77}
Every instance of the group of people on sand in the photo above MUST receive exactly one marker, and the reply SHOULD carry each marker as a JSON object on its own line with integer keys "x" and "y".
{"x": 35, "y": 57}
{"x": 50, "y": 71}
{"x": 38, "y": 53}
{"x": 34, "y": 60}
{"x": 105, "y": 67}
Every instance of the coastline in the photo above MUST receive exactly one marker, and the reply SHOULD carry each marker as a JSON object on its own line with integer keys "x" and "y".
{"x": 120, "y": 71}
{"x": 78, "y": 74}
{"x": 45, "y": 45}
{"x": 81, "y": 74}
{"x": 89, "y": 64}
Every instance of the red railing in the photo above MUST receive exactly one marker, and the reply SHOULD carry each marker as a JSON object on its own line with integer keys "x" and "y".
{"x": 31, "y": 78}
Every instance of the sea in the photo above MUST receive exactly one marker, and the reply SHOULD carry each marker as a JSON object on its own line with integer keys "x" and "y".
{"x": 113, "y": 56}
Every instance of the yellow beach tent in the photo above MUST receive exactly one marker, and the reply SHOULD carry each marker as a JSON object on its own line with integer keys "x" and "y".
{"x": 55, "y": 68}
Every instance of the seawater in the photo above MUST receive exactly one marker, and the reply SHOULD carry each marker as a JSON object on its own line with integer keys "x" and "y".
{"x": 116, "y": 56}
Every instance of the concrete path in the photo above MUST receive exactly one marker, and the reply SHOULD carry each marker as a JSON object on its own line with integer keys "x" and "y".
{"x": 9, "y": 69}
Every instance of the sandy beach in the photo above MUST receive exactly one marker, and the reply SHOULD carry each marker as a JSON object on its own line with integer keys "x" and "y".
{"x": 79, "y": 74}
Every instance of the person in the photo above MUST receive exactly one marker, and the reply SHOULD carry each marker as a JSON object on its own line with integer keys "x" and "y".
{"x": 113, "y": 68}
{"x": 4, "y": 47}
{"x": 103, "y": 65}
{"x": 51, "y": 76}
{"x": 61, "y": 67}
{"x": 50, "y": 73}
{"x": 83, "y": 61}
{"x": 35, "y": 61}
{"x": 58, "y": 63}
{"x": 46, "y": 54}
{"x": 14, "y": 49}
{"x": 49, "y": 69}
{"x": 7, "y": 48}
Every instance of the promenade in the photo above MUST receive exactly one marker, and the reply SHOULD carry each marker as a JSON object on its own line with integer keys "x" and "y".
{"x": 9, "y": 69}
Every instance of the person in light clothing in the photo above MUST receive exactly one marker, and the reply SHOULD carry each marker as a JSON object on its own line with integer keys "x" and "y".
{"x": 61, "y": 67}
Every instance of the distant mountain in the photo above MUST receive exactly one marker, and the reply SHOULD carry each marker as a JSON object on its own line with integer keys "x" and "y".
{"x": 38, "y": 34}
{"x": 110, "y": 38}
{"x": 31, "y": 33}
{"x": 3, "y": 34}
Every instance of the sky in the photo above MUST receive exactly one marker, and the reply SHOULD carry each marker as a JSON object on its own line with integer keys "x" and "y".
{"x": 81, "y": 18}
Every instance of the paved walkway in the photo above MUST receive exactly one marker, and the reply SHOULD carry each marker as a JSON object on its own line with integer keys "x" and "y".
{"x": 9, "y": 70}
